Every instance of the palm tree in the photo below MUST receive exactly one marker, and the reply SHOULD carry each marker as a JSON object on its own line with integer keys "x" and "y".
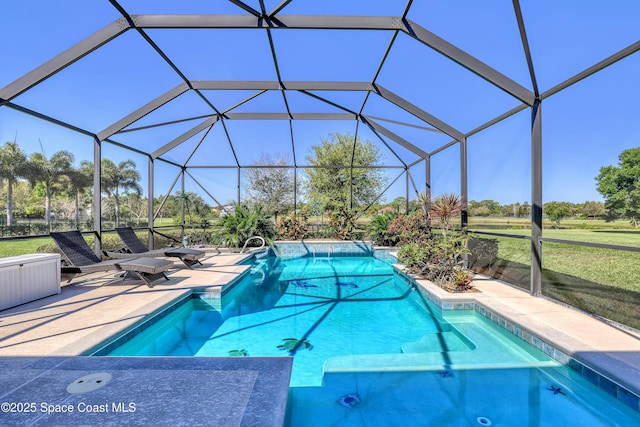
{"x": 13, "y": 163}
{"x": 121, "y": 176}
{"x": 50, "y": 172}
{"x": 79, "y": 179}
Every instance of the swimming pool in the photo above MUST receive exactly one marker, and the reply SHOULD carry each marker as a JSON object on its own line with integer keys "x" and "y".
{"x": 367, "y": 346}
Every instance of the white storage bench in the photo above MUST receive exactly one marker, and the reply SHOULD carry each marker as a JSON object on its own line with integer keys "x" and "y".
{"x": 27, "y": 278}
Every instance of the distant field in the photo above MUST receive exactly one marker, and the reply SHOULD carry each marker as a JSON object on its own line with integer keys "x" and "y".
{"x": 571, "y": 223}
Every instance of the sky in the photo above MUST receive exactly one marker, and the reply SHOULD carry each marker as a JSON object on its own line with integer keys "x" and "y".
{"x": 585, "y": 126}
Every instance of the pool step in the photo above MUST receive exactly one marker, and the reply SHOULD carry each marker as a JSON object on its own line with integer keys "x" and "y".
{"x": 439, "y": 342}
{"x": 407, "y": 362}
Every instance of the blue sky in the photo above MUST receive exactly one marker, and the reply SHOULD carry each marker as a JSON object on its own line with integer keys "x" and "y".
{"x": 585, "y": 127}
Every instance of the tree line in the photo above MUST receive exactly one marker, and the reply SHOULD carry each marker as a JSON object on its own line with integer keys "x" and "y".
{"x": 40, "y": 179}
{"x": 332, "y": 184}
{"x": 554, "y": 210}
{"x": 619, "y": 186}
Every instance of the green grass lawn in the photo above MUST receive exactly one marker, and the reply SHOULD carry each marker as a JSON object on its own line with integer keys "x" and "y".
{"x": 602, "y": 281}
{"x": 22, "y": 246}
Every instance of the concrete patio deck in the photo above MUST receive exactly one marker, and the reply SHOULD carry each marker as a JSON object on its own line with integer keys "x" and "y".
{"x": 87, "y": 312}
{"x": 39, "y": 342}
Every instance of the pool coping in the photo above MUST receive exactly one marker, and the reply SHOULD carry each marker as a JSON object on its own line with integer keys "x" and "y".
{"x": 618, "y": 376}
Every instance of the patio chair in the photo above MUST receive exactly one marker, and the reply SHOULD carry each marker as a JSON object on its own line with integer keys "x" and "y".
{"x": 81, "y": 259}
{"x": 135, "y": 247}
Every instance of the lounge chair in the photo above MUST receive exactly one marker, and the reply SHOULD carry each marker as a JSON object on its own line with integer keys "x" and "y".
{"x": 134, "y": 247}
{"x": 81, "y": 259}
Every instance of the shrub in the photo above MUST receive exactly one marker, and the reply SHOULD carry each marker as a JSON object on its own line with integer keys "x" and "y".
{"x": 290, "y": 227}
{"x": 234, "y": 229}
{"x": 379, "y": 229}
{"x": 342, "y": 223}
{"x": 483, "y": 252}
{"x": 410, "y": 228}
{"x": 437, "y": 256}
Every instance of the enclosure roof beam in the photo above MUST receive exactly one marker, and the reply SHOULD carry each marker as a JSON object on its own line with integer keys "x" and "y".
{"x": 390, "y": 23}
{"x": 253, "y": 166}
{"x": 469, "y": 62}
{"x": 143, "y": 111}
{"x": 326, "y": 101}
{"x": 203, "y": 188}
{"x": 287, "y": 116}
{"x": 63, "y": 60}
{"x": 275, "y": 85}
{"x": 497, "y": 119}
{"x": 444, "y": 147}
{"x": 180, "y": 139}
{"x": 160, "y": 124}
{"x": 79, "y": 130}
{"x": 246, "y": 7}
{"x": 396, "y": 138}
{"x": 418, "y": 112}
{"x": 332, "y": 22}
{"x": 279, "y": 7}
{"x": 526, "y": 47}
{"x": 629, "y": 50}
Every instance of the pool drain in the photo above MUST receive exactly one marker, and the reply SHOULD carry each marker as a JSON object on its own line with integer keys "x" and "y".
{"x": 89, "y": 383}
{"x": 483, "y": 421}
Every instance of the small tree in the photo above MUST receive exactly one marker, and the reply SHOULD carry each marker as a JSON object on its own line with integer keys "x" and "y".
{"x": 524, "y": 210}
{"x": 136, "y": 206}
{"x": 593, "y": 209}
{"x": 620, "y": 187}
{"x": 557, "y": 211}
{"x": 271, "y": 187}
{"x": 339, "y": 187}
{"x": 480, "y": 211}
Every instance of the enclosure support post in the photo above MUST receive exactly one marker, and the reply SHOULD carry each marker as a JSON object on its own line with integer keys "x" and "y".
{"x": 536, "y": 198}
{"x": 182, "y": 202}
{"x": 464, "y": 188}
{"x": 351, "y": 187}
{"x": 427, "y": 174}
{"x": 295, "y": 192}
{"x": 406, "y": 190}
{"x": 150, "y": 191}
{"x": 238, "y": 183}
{"x": 427, "y": 184}
{"x": 97, "y": 193}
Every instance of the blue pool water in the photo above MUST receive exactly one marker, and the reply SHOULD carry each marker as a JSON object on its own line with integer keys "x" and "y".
{"x": 370, "y": 350}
